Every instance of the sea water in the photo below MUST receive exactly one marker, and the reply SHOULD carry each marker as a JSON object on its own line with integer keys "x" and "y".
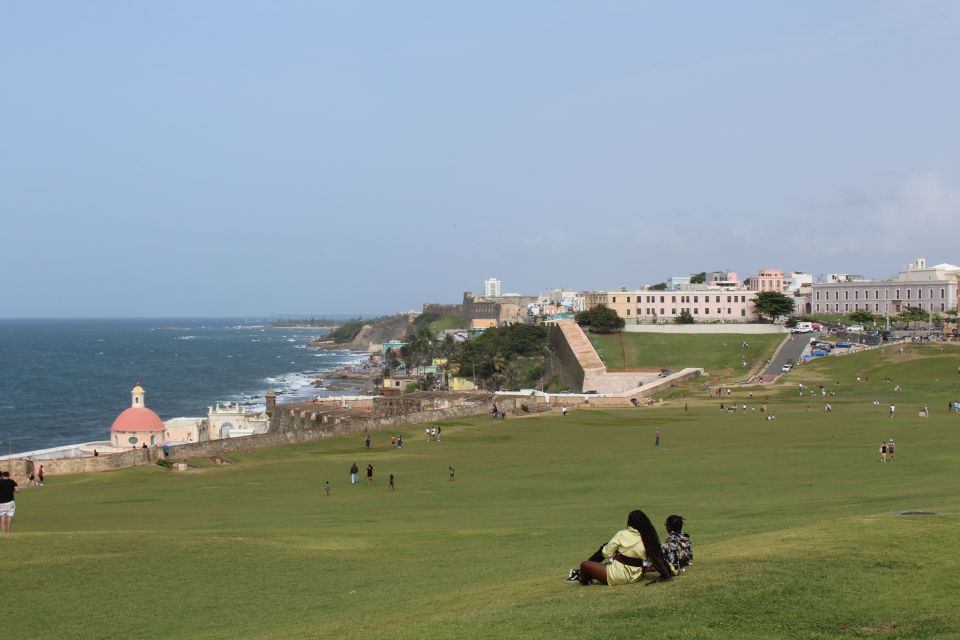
{"x": 64, "y": 381}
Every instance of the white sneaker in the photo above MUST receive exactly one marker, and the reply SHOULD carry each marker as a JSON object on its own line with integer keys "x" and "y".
{"x": 574, "y": 576}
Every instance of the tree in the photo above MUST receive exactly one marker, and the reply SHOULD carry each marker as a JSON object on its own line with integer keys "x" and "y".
{"x": 698, "y": 278}
{"x": 773, "y": 304}
{"x": 863, "y": 317}
{"x": 660, "y": 286}
{"x": 600, "y": 319}
{"x": 913, "y": 314}
{"x": 684, "y": 317}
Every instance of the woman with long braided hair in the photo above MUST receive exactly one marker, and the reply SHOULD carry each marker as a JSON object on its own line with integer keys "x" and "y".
{"x": 621, "y": 560}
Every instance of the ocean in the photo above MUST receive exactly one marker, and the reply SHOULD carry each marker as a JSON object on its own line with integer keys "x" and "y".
{"x": 64, "y": 381}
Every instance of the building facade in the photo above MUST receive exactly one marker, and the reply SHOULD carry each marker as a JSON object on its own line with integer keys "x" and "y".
{"x": 623, "y": 302}
{"x": 491, "y": 288}
{"x": 705, "y": 304}
{"x": 933, "y": 289}
{"x": 766, "y": 280}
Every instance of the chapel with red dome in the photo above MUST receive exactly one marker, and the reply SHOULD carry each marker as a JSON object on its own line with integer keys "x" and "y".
{"x": 138, "y": 425}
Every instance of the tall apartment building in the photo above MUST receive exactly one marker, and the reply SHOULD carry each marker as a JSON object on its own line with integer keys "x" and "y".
{"x": 932, "y": 289}
{"x": 491, "y": 288}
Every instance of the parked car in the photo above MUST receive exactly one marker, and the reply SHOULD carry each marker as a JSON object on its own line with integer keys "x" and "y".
{"x": 803, "y": 327}
{"x": 844, "y": 345}
{"x": 823, "y": 346}
{"x": 786, "y": 367}
{"x": 855, "y": 327}
{"x": 819, "y": 352}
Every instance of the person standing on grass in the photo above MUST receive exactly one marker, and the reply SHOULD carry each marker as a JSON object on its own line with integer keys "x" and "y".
{"x": 656, "y": 442}
{"x": 40, "y": 476}
{"x": 353, "y": 473}
{"x": 883, "y": 452}
{"x": 392, "y": 486}
{"x": 8, "y": 487}
{"x": 893, "y": 410}
{"x": 452, "y": 474}
{"x": 366, "y": 441}
{"x": 399, "y": 441}
{"x": 369, "y": 474}
{"x": 326, "y": 488}
{"x": 891, "y": 449}
{"x": 438, "y": 434}
{"x": 563, "y": 412}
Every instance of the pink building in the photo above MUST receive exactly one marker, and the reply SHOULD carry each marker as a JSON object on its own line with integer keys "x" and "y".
{"x": 705, "y": 305}
{"x": 766, "y": 280}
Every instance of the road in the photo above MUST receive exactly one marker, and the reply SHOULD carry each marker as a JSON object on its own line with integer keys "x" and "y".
{"x": 791, "y": 351}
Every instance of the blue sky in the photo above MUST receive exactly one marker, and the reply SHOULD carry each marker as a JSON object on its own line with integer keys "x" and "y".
{"x": 257, "y": 158}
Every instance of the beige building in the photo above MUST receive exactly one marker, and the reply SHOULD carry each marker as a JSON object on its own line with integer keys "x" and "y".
{"x": 233, "y": 421}
{"x": 185, "y": 430}
{"x": 766, "y": 280}
{"x": 623, "y": 302}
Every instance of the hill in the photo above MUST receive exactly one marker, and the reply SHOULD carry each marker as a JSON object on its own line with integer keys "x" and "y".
{"x": 796, "y": 526}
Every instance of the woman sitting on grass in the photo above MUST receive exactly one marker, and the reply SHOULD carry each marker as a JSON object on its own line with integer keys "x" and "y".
{"x": 621, "y": 560}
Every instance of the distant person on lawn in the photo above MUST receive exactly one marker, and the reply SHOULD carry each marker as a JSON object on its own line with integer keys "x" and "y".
{"x": 621, "y": 561}
{"x": 8, "y": 487}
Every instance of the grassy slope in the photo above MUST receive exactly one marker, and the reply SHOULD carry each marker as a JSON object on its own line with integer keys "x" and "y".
{"x": 713, "y": 352}
{"x": 793, "y": 522}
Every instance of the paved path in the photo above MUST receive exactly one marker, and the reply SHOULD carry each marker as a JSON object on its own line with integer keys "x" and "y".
{"x": 791, "y": 351}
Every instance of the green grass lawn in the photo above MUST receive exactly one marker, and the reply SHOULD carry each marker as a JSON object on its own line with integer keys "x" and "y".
{"x": 449, "y": 322}
{"x": 714, "y": 352}
{"x": 795, "y": 526}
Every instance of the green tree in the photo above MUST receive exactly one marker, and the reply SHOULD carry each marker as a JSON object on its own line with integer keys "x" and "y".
{"x": 913, "y": 314}
{"x": 600, "y": 319}
{"x": 863, "y": 317}
{"x": 684, "y": 317}
{"x": 772, "y": 304}
{"x": 660, "y": 286}
{"x": 698, "y": 278}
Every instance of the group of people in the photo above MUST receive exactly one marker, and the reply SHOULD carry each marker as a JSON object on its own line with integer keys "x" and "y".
{"x": 432, "y": 434}
{"x": 636, "y": 552}
{"x": 887, "y": 450}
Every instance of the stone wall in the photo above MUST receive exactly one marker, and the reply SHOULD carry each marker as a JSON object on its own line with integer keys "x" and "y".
{"x": 443, "y": 309}
{"x": 728, "y": 327}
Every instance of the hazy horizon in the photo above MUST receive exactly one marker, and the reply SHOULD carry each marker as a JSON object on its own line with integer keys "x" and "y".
{"x": 244, "y": 159}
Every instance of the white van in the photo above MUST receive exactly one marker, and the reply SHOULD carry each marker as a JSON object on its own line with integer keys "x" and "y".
{"x": 855, "y": 327}
{"x": 803, "y": 327}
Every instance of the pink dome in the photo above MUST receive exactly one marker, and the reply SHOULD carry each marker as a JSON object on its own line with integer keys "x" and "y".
{"x": 137, "y": 419}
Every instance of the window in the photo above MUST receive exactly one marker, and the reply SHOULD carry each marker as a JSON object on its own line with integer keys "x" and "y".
{"x": 856, "y": 295}
{"x": 662, "y": 311}
{"x": 706, "y": 310}
{"x": 898, "y": 294}
{"x": 662, "y": 299}
{"x": 941, "y": 294}
{"x": 153, "y": 441}
{"x": 628, "y": 311}
{"x": 818, "y": 307}
{"x": 818, "y": 297}
{"x": 876, "y": 307}
{"x": 876, "y": 294}
{"x": 743, "y": 312}
{"x": 836, "y": 294}
{"x": 673, "y": 311}
{"x": 941, "y": 306}
{"x": 628, "y": 298}
{"x": 846, "y": 295}
{"x": 919, "y": 294}
{"x": 846, "y": 307}
{"x": 696, "y": 311}
{"x": 908, "y": 294}
{"x": 718, "y": 298}
{"x": 728, "y": 299}
{"x": 132, "y": 439}
{"x": 614, "y": 298}
{"x": 729, "y": 311}
{"x": 673, "y": 299}
{"x": 696, "y": 298}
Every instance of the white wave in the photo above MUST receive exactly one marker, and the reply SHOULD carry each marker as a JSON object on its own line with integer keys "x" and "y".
{"x": 185, "y": 338}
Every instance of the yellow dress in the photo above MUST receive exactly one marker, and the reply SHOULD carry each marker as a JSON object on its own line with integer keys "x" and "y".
{"x": 628, "y": 543}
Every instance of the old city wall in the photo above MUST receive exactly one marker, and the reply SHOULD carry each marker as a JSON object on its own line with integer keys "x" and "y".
{"x": 20, "y": 468}
{"x": 566, "y": 359}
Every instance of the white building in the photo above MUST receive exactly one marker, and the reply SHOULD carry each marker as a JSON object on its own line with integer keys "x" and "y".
{"x": 932, "y": 289}
{"x": 232, "y": 421}
{"x": 181, "y": 430}
{"x": 795, "y": 280}
{"x": 491, "y": 288}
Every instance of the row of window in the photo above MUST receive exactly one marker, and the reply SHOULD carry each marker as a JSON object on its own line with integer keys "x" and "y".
{"x": 695, "y": 311}
{"x": 876, "y": 307}
{"x": 688, "y": 299}
{"x": 876, "y": 294}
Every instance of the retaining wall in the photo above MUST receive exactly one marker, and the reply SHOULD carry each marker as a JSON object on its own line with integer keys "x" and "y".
{"x": 730, "y": 327}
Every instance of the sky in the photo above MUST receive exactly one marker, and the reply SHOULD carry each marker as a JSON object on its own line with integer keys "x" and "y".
{"x": 186, "y": 159}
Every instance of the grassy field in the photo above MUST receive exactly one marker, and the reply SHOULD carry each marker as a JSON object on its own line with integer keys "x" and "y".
{"x": 796, "y": 527}
{"x": 714, "y": 352}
